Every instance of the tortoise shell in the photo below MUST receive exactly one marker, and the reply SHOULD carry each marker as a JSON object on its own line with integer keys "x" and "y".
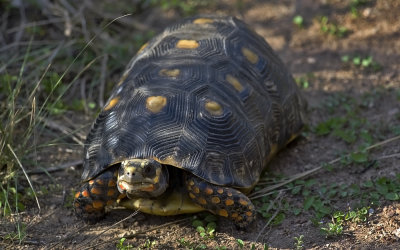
{"x": 207, "y": 95}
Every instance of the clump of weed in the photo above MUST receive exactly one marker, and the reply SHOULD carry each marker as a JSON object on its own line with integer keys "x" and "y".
{"x": 122, "y": 245}
{"x": 331, "y": 28}
{"x": 298, "y": 244}
{"x": 339, "y": 219}
{"x": 366, "y": 62}
{"x": 205, "y": 226}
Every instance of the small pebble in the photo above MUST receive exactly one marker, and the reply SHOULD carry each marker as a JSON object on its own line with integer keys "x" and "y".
{"x": 397, "y": 232}
{"x": 367, "y": 12}
{"x": 371, "y": 211}
{"x": 311, "y": 60}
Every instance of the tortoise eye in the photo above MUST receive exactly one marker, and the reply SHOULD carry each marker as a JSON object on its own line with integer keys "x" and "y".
{"x": 149, "y": 171}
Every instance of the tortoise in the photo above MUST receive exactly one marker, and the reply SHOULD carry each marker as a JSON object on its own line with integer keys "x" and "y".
{"x": 196, "y": 116}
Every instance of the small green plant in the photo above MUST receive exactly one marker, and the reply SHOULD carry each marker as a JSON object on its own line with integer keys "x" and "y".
{"x": 121, "y": 245}
{"x": 332, "y": 28}
{"x": 18, "y": 236}
{"x": 362, "y": 62}
{"x": 298, "y": 244}
{"x": 339, "y": 219}
{"x": 298, "y": 21}
{"x": 355, "y": 5}
{"x": 240, "y": 243}
{"x": 191, "y": 245}
{"x": 149, "y": 244}
{"x": 332, "y": 229}
{"x": 388, "y": 188}
{"x": 304, "y": 81}
{"x": 271, "y": 210}
{"x": 206, "y": 227}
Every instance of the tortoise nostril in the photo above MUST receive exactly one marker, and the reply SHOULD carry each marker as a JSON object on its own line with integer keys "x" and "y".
{"x": 130, "y": 174}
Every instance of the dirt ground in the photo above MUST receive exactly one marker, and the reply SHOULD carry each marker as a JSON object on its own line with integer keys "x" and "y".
{"x": 306, "y": 51}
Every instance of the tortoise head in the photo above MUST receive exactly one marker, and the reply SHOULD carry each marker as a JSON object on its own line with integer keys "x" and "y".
{"x": 142, "y": 178}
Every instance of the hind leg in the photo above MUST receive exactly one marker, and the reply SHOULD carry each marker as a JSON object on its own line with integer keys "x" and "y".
{"x": 224, "y": 201}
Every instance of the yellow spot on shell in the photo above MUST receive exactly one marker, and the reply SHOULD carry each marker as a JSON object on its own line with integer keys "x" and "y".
{"x": 202, "y": 201}
{"x": 215, "y": 200}
{"x": 243, "y": 202}
{"x": 235, "y": 83}
{"x": 143, "y": 47}
{"x": 95, "y": 190}
{"x": 250, "y": 55}
{"x": 229, "y": 202}
{"x": 192, "y": 195}
{"x": 155, "y": 103}
{"x": 170, "y": 72}
{"x": 111, "y": 103}
{"x": 208, "y": 191}
{"x": 97, "y": 204}
{"x": 213, "y": 107}
{"x": 187, "y": 44}
{"x": 223, "y": 212}
{"x": 203, "y": 20}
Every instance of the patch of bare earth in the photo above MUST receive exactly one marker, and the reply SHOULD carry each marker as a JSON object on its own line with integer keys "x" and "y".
{"x": 375, "y": 32}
